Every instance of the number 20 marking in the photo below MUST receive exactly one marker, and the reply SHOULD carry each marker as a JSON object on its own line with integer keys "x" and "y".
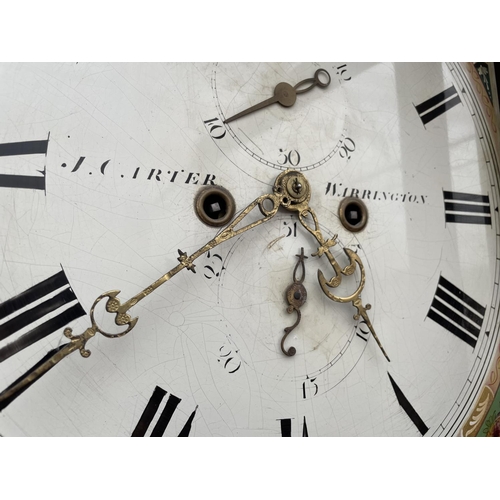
{"x": 347, "y": 148}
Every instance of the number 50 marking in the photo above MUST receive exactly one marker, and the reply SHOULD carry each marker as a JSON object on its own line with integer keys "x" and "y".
{"x": 293, "y": 157}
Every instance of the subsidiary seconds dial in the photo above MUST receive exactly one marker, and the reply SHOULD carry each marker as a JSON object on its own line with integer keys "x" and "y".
{"x": 302, "y": 136}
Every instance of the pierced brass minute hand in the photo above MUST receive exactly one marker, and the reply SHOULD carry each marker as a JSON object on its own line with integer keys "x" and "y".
{"x": 291, "y": 191}
{"x": 278, "y": 198}
{"x": 285, "y": 94}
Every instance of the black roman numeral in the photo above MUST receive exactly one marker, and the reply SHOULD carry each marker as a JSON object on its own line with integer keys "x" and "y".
{"x": 466, "y": 208}
{"x": 43, "y": 309}
{"x": 286, "y": 427}
{"x": 6, "y": 402}
{"x": 53, "y": 309}
{"x": 150, "y": 411}
{"x": 437, "y": 105}
{"x": 408, "y": 408}
{"x": 457, "y": 312}
{"x": 24, "y": 148}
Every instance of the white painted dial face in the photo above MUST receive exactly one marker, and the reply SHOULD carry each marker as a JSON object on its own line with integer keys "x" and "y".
{"x": 99, "y": 168}
{"x": 302, "y": 137}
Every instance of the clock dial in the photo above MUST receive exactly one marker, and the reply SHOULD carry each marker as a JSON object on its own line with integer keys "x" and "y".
{"x": 304, "y": 136}
{"x": 100, "y": 166}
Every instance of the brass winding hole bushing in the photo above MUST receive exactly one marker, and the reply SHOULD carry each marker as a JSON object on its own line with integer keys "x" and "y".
{"x": 353, "y": 214}
{"x": 214, "y": 206}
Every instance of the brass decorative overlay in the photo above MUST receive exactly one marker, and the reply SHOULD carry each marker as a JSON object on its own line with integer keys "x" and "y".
{"x": 477, "y": 417}
{"x": 291, "y": 191}
{"x": 482, "y": 405}
{"x": 336, "y": 280}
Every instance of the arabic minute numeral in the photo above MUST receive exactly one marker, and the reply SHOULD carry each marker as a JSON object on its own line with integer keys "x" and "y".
{"x": 215, "y": 266}
{"x": 309, "y": 388}
{"x": 292, "y": 229}
{"x": 215, "y": 128}
{"x": 362, "y": 331}
{"x": 347, "y": 148}
{"x": 292, "y": 157}
{"x": 228, "y": 360}
{"x": 342, "y": 73}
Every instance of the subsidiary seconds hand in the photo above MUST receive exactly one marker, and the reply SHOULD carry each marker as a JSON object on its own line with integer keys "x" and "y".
{"x": 286, "y": 95}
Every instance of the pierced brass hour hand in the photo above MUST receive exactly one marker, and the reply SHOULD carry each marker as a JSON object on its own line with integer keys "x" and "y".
{"x": 268, "y": 205}
{"x": 286, "y": 95}
{"x": 335, "y": 281}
